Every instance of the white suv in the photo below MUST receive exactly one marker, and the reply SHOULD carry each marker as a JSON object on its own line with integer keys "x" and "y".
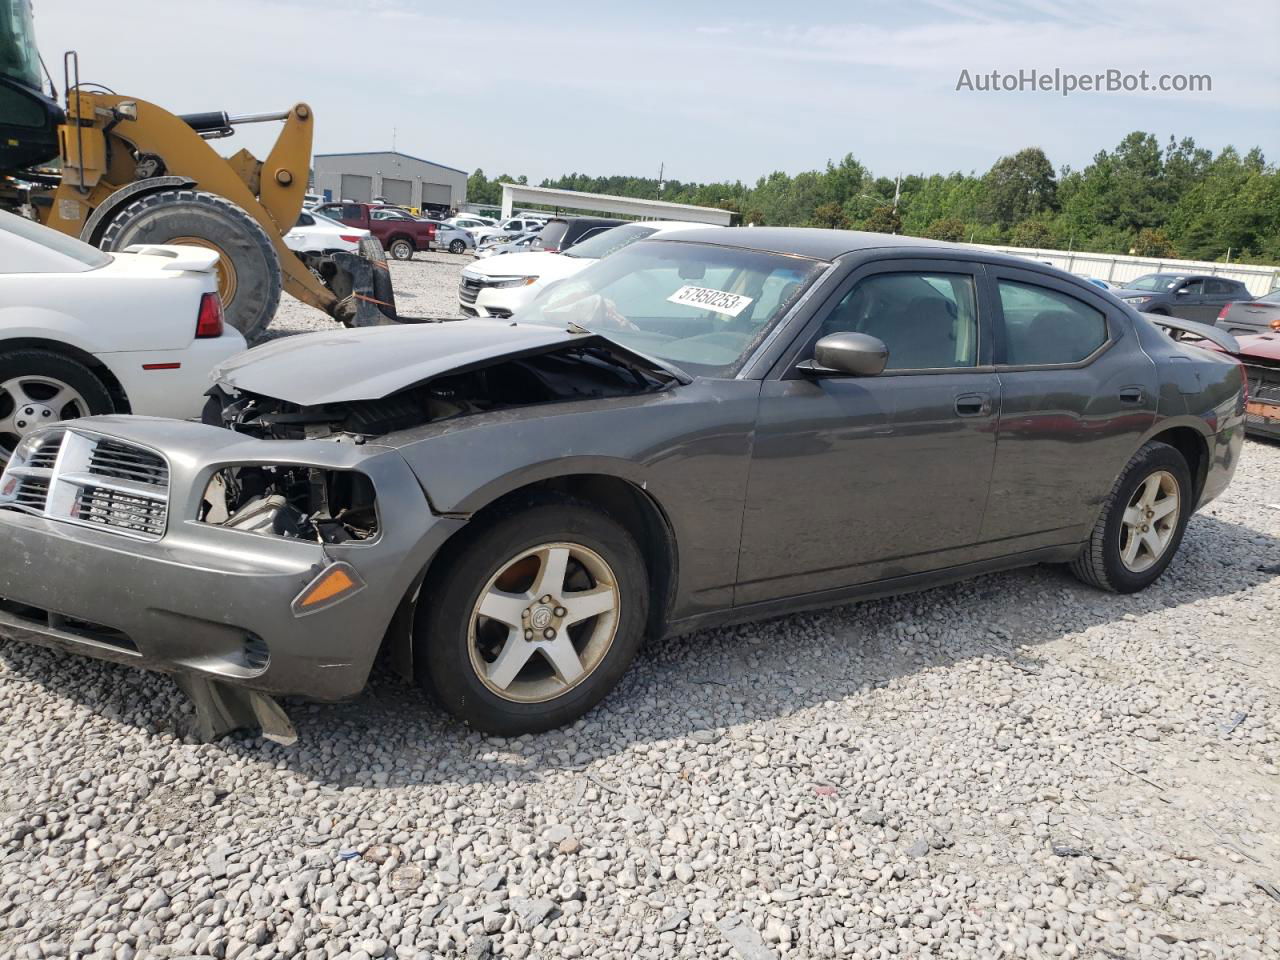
{"x": 501, "y": 286}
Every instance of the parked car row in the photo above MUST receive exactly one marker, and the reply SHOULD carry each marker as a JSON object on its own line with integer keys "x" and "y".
{"x": 692, "y": 426}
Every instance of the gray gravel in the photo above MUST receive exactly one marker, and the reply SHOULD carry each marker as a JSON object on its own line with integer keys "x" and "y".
{"x": 426, "y": 286}
{"x": 1018, "y": 766}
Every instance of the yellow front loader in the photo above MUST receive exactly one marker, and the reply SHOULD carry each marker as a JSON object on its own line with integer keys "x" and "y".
{"x": 131, "y": 172}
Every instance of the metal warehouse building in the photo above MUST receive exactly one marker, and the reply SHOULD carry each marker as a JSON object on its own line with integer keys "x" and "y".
{"x": 404, "y": 180}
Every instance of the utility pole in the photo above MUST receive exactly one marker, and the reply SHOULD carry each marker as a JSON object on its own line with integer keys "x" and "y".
{"x": 897, "y": 191}
{"x": 661, "y": 183}
{"x": 393, "y": 139}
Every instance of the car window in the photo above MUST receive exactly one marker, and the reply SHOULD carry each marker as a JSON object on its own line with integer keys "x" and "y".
{"x": 306, "y": 220}
{"x": 1155, "y": 281}
{"x": 1192, "y": 288}
{"x": 552, "y": 234}
{"x": 927, "y": 320}
{"x": 1219, "y": 287}
{"x": 610, "y": 241}
{"x": 1043, "y": 326}
{"x": 588, "y": 234}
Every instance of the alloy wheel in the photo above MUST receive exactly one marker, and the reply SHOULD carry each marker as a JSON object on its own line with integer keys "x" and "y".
{"x": 1150, "y": 521}
{"x": 544, "y": 622}
{"x": 28, "y": 402}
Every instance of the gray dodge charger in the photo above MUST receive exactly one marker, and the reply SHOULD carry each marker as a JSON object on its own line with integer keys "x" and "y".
{"x": 728, "y": 425}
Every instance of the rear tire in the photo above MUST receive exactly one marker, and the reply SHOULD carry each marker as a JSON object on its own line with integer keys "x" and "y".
{"x": 1133, "y": 541}
{"x": 53, "y": 387}
{"x": 513, "y": 557}
{"x": 457, "y": 246}
{"x": 401, "y": 249}
{"x": 248, "y": 269}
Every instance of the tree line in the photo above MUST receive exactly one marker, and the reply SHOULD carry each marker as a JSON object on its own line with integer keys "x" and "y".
{"x": 1175, "y": 200}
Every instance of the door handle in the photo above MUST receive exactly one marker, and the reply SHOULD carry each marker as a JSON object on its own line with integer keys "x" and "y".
{"x": 973, "y": 404}
{"x": 1131, "y": 395}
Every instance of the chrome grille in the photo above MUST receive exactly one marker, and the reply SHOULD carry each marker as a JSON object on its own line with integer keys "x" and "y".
{"x": 75, "y": 476}
{"x": 111, "y": 508}
{"x": 110, "y": 458}
{"x": 468, "y": 289}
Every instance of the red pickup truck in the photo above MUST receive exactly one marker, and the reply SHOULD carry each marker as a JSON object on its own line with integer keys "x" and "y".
{"x": 401, "y": 233}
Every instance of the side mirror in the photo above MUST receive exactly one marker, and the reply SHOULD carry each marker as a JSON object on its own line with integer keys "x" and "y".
{"x": 849, "y": 355}
{"x": 1181, "y": 292}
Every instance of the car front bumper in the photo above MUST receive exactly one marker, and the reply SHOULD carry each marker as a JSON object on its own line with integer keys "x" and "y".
{"x": 213, "y": 603}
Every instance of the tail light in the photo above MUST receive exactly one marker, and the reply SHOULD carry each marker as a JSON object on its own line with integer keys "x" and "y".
{"x": 349, "y": 237}
{"x": 209, "y": 320}
{"x": 1222, "y": 314}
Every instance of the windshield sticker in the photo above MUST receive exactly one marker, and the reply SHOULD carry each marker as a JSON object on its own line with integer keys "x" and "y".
{"x": 730, "y": 304}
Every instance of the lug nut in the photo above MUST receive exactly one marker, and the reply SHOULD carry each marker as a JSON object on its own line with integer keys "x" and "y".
{"x": 546, "y": 599}
{"x": 549, "y": 633}
{"x": 21, "y": 424}
{"x": 30, "y": 411}
{"x": 528, "y": 634}
{"x": 47, "y": 413}
{"x": 524, "y": 614}
{"x": 561, "y": 611}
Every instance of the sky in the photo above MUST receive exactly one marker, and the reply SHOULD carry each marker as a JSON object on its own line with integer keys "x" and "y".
{"x": 712, "y": 91}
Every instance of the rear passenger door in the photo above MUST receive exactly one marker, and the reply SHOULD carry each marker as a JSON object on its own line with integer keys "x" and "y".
{"x": 1077, "y": 394}
{"x": 1188, "y": 301}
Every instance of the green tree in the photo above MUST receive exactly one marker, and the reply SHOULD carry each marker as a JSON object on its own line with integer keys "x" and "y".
{"x": 1032, "y": 233}
{"x": 883, "y": 220}
{"x": 830, "y": 215}
{"x": 1019, "y": 187}
{"x": 951, "y": 229}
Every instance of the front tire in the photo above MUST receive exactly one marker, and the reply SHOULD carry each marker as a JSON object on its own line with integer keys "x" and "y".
{"x": 249, "y": 282}
{"x": 1141, "y": 524}
{"x": 39, "y": 387}
{"x": 457, "y": 246}
{"x": 401, "y": 250}
{"x": 534, "y": 619}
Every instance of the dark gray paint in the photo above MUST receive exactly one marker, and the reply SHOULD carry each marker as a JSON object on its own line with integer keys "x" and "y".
{"x": 781, "y": 489}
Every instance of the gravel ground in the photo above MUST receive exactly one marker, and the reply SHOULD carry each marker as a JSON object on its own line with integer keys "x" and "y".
{"x": 1017, "y": 766}
{"x": 426, "y": 286}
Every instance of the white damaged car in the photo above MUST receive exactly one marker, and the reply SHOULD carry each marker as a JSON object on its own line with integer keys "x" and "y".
{"x": 500, "y": 286}
{"x": 86, "y": 332}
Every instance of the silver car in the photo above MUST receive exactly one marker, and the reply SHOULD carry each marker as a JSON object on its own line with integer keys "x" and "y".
{"x": 451, "y": 238}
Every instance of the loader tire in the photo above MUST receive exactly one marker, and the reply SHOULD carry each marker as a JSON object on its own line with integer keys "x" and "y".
{"x": 248, "y": 269}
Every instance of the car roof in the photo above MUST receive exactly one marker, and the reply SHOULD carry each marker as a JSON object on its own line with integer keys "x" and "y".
{"x": 820, "y": 244}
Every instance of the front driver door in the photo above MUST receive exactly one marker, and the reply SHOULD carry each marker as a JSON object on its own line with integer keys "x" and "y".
{"x": 855, "y": 479}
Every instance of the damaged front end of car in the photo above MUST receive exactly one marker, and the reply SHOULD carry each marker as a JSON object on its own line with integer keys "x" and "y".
{"x": 270, "y": 550}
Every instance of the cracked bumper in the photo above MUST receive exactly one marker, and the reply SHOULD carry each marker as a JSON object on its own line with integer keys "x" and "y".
{"x": 215, "y": 603}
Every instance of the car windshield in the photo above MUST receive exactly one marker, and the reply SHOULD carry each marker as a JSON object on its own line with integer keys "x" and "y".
{"x": 1156, "y": 281}
{"x": 551, "y": 235}
{"x": 700, "y": 307}
{"x": 610, "y": 241}
{"x": 87, "y": 257}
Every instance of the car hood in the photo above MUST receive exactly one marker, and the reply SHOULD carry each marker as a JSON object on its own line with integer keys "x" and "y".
{"x": 525, "y": 265}
{"x": 373, "y": 362}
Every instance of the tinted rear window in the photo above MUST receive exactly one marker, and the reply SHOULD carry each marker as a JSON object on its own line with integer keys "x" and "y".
{"x": 551, "y": 234}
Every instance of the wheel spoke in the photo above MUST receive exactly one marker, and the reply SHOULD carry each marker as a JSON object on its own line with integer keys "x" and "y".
{"x": 504, "y": 607}
{"x": 587, "y": 603}
{"x": 64, "y": 396}
{"x": 16, "y": 391}
{"x": 1155, "y": 543}
{"x": 1150, "y": 488}
{"x": 515, "y": 654}
{"x": 1133, "y": 517}
{"x": 1130, "y": 552}
{"x": 1163, "y": 508}
{"x": 555, "y": 564}
{"x": 563, "y": 657}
